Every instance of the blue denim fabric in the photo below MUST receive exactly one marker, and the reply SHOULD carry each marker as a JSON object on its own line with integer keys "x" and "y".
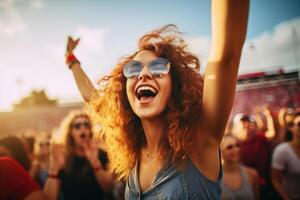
{"x": 170, "y": 184}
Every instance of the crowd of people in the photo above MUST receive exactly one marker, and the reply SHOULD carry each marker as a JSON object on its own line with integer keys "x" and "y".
{"x": 255, "y": 164}
{"x": 158, "y": 129}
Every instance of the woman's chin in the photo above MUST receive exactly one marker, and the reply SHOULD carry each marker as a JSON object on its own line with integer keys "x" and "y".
{"x": 148, "y": 113}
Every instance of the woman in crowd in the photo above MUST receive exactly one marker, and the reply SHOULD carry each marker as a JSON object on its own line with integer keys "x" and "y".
{"x": 162, "y": 122}
{"x": 239, "y": 181}
{"x": 40, "y": 166}
{"x": 77, "y": 168}
{"x": 286, "y": 164}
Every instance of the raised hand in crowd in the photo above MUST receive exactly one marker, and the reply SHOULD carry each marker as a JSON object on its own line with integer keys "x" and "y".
{"x": 57, "y": 157}
{"x": 83, "y": 83}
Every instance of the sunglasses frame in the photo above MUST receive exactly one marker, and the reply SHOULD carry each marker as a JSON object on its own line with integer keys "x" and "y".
{"x": 142, "y": 65}
{"x": 77, "y": 126}
{"x": 231, "y": 146}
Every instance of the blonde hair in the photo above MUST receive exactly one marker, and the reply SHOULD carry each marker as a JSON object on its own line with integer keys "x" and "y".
{"x": 66, "y": 138}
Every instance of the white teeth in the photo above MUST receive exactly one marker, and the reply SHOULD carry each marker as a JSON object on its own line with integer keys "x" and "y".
{"x": 146, "y": 88}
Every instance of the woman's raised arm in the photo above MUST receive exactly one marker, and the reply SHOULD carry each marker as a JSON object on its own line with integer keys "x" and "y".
{"x": 229, "y": 26}
{"x": 84, "y": 84}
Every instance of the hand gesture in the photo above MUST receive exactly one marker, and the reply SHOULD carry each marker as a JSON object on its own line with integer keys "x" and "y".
{"x": 71, "y": 45}
{"x": 91, "y": 152}
{"x": 57, "y": 157}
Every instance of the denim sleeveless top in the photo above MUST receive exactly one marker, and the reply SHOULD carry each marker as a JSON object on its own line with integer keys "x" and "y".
{"x": 171, "y": 183}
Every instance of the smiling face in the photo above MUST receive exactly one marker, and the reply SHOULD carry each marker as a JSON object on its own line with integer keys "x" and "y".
{"x": 148, "y": 96}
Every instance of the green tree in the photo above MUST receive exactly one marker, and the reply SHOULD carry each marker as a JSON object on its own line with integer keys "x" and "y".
{"x": 36, "y": 98}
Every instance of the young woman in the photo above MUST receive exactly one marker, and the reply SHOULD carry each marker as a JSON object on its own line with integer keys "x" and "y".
{"x": 239, "y": 181}
{"x": 286, "y": 164}
{"x": 40, "y": 166}
{"x": 77, "y": 167}
{"x": 161, "y": 122}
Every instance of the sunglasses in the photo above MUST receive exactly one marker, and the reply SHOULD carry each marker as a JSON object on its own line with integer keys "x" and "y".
{"x": 77, "y": 126}
{"x": 231, "y": 146}
{"x": 157, "y": 68}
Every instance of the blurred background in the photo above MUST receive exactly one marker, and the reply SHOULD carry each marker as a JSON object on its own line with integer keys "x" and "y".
{"x": 37, "y": 89}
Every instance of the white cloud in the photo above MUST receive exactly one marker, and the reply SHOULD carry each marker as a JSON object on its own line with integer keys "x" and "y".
{"x": 280, "y": 47}
{"x": 200, "y": 46}
{"x": 11, "y": 21}
{"x": 91, "y": 40}
{"x": 37, "y": 3}
{"x": 56, "y": 51}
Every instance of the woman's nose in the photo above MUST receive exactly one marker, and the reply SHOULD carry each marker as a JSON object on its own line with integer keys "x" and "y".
{"x": 145, "y": 73}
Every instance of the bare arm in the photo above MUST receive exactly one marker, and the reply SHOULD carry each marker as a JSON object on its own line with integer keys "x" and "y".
{"x": 51, "y": 188}
{"x": 37, "y": 195}
{"x": 104, "y": 177}
{"x": 281, "y": 116}
{"x": 255, "y": 185}
{"x": 270, "y": 123}
{"x": 57, "y": 161}
{"x": 229, "y": 25}
{"x": 84, "y": 84}
{"x": 276, "y": 176}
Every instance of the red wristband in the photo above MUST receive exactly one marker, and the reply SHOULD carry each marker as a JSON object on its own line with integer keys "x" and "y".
{"x": 71, "y": 59}
{"x": 95, "y": 169}
{"x": 55, "y": 176}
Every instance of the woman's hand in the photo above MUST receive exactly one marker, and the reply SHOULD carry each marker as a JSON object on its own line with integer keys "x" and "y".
{"x": 71, "y": 45}
{"x": 92, "y": 153}
{"x": 57, "y": 157}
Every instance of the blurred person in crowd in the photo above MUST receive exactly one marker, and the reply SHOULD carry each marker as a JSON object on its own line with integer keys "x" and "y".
{"x": 29, "y": 145}
{"x": 77, "y": 167}
{"x": 286, "y": 164}
{"x": 285, "y": 119}
{"x": 255, "y": 152}
{"x": 15, "y": 182}
{"x": 265, "y": 122}
{"x": 13, "y": 146}
{"x": 239, "y": 181}
{"x": 40, "y": 166}
{"x": 162, "y": 133}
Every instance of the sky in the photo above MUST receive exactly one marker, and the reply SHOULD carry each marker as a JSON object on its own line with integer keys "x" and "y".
{"x": 33, "y": 36}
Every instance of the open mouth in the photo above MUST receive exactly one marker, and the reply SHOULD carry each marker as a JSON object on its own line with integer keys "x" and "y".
{"x": 145, "y": 92}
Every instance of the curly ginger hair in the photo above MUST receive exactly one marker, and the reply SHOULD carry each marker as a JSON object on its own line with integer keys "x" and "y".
{"x": 121, "y": 127}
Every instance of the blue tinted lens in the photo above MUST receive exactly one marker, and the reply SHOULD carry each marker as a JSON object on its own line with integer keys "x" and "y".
{"x": 159, "y": 67}
{"x": 132, "y": 69}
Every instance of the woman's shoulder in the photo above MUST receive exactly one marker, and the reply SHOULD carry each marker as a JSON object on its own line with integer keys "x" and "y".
{"x": 251, "y": 173}
{"x": 282, "y": 147}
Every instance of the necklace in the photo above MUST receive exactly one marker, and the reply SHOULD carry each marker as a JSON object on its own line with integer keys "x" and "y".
{"x": 151, "y": 157}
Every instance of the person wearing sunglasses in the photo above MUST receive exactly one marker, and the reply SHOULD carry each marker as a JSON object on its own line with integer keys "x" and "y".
{"x": 239, "y": 181}
{"x": 162, "y": 121}
{"x": 286, "y": 164}
{"x": 78, "y": 169}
